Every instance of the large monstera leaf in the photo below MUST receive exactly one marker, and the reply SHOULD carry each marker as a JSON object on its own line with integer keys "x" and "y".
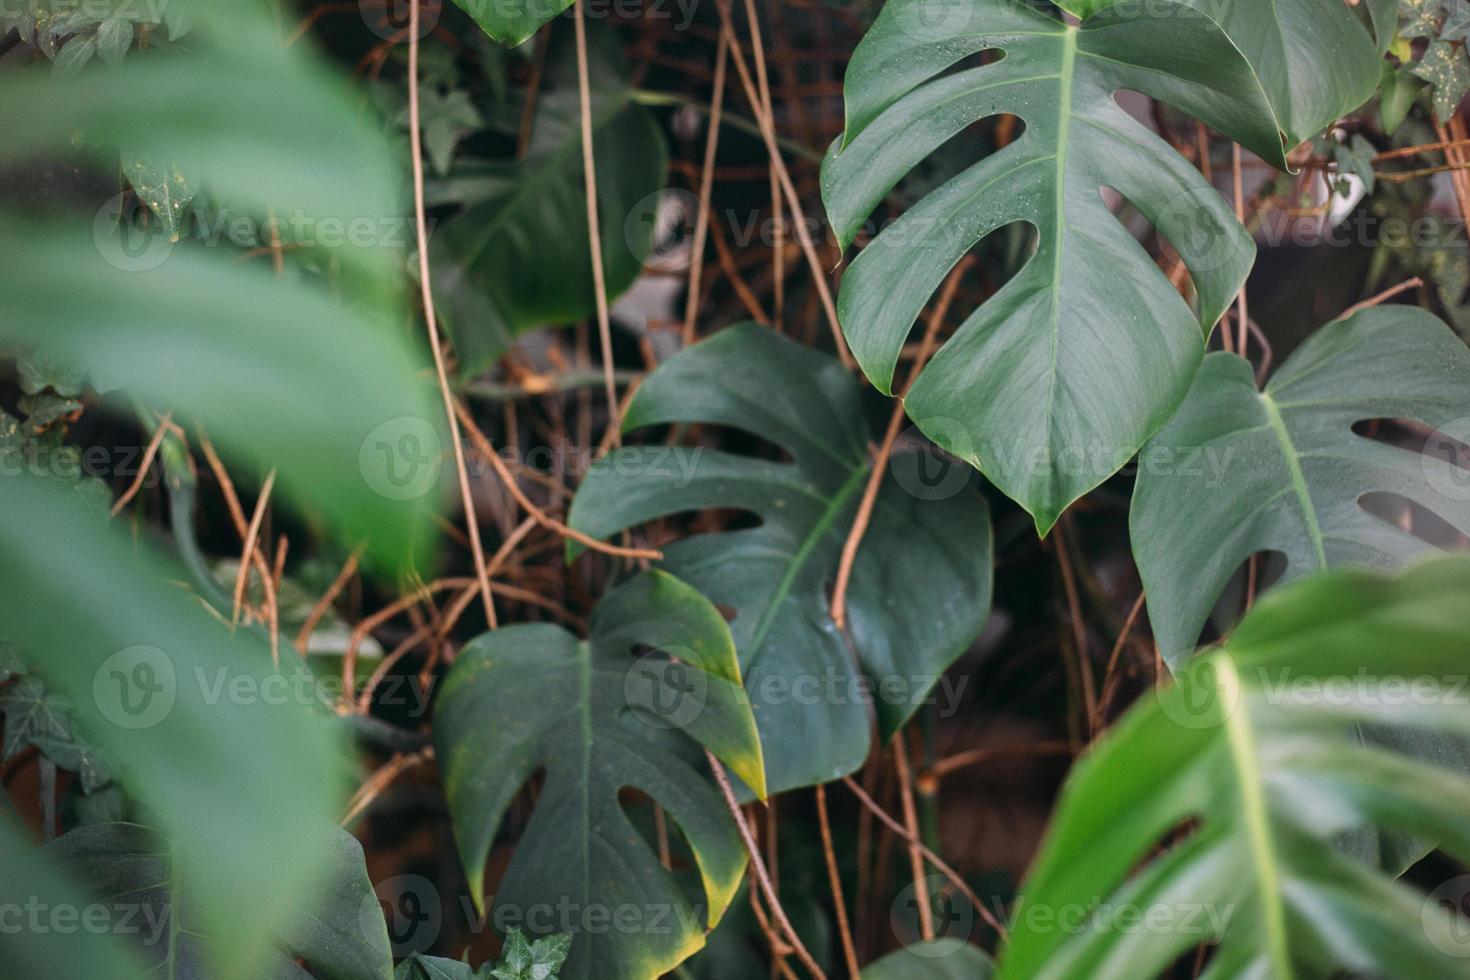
{"x": 336, "y": 930}
{"x": 1226, "y": 833}
{"x": 1240, "y": 470}
{"x": 920, "y": 588}
{"x": 1286, "y": 42}
{"x": 532, "y": 696}
{"x": 1054, "y": 382}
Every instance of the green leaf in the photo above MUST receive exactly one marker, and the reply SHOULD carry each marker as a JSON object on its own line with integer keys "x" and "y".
{"x": 941, "y": 959}
{"x": 39, "y": 371}
{"x": 279, "y": 374}
{"x": 921, "y": 584}
{"x": 1456, "y": 26}
{"x": 31, "y": 713}
{"x": 1240, "y": 471}
{"x": 1398, "y": 91}
{"x": 138, "y": 660}
{"x": 1421, "y": 17}
{"x": 1383, "y": 15}
{"x": 1055, "y": 381}
{"x": 1447, "y": 67}
{"x": 530, "y": 696}
{"x": 1356, "y": 157}
{"x": 444, "y": 118}
{"x": 28, "y": 880}
{"x": 497, "y": 271}
{"x": 1285, "y": 41}
{"x": 165, "y": 189}
{"x": 512, "y": 21}
{"x": 129, "y": 866}
{"x": 420, "y": 967}
{"x": 114, "y": 37}
{"x": 522, "y": 959}
{"x": 1211, "y": 813}
{"x": 266, "y": 126}
{"x": 283, "y": 373}
{"x": 37, "y": 717}
{"x": 73, "y": 56}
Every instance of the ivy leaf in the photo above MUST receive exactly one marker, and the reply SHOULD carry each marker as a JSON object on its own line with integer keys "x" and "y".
{"x": 445, "y": 118}
{"x": 334, "y": 927}
{"x": 525, "y": 960}
{"x": 602, "y": 723}
{"x": 42, "y": 411}
{"x": 36, "y": 717}
{"x": 920, "y": 588}
{"x": 164, "y": 188}
{"x": 1224, "y": 796}
{"x": 1356, "y": 158}
{"x": 39, "y": 370}
{"x": 30, "y": 713}
{"x": 114, "y": 37}
{"x": 1421, "y": 17}
{"x": 1056, "y": 380}
{"x": 1447, "y": 68}
{"x": 1456, "y": 25}
{"x": 1240, "y": 471}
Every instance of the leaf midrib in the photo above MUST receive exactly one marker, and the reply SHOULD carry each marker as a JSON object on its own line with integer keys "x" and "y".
{"x": 1065, "y": 90}
{"x": 799, "y": 558}
{"x": 1245, "y": 763}
{"x": 1298, "y": 479}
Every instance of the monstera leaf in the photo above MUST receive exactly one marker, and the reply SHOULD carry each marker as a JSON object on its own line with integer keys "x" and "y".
{"x": 1055, "y": 381}
{"x": 144, "y": 671}
{"x": 920, "y": 588}
{"x": 497, "y": 270}
{"x": 1226, "y": 835}
{"x": 334, "y": 929}
{"x": 282, "y": 373}
{"x": 1239, "y": 471}
{"x": 532, "y": 696}
{"x": 941, "y": 959}
{"x": 1285, "y": 41}
{"x": 511, "y": 22}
